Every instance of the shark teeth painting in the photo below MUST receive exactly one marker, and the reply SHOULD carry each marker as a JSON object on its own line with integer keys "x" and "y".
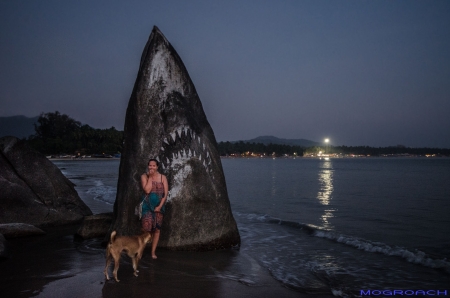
{"x": 165, "y": 120}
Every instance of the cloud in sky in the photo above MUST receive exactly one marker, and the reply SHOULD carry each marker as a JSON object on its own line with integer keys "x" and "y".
{"x": 359, "y": 72}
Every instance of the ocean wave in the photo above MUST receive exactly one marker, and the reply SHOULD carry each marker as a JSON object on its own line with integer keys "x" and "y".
{"x": 309, "y": 228}
{"x": 305, "y": 276}
{"x": 417, "y": 257}
{"x": 103, "y": 193}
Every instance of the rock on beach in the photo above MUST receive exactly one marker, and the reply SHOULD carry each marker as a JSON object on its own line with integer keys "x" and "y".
{"x": 14, "y": 230}
{"x": 165, "y": 120}
{"x": 34, "y": 191}
{"x": 95, "y": 226}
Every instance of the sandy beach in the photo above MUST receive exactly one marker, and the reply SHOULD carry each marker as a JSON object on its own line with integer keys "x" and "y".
{"x": 60, "y": 265}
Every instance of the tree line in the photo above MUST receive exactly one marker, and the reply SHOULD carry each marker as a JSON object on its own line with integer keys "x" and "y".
{"x": 244, "y": 148}
{"x": 391, "y": 150}
{"x": 257, "y": 149}
{"x": 57, "y": 133}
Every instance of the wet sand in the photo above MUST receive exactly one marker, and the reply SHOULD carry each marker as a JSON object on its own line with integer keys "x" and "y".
{"x": 59, "y": 265}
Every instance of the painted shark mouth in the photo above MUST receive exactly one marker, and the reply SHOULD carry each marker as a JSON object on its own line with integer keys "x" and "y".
{"x": 181, "y": 145}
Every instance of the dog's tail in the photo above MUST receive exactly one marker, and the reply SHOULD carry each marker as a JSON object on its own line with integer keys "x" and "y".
{"x": 113, "y": 237}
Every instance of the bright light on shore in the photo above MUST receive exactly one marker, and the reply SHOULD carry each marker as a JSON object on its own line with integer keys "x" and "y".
{"x": 327, "y": 140}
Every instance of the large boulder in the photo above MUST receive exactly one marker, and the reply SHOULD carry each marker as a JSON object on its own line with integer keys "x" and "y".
{"x": 15, "y": 230}
{"x": 95, "y": 226}
{"x": 165, "y": 120}
{"x": 33, "y": 189}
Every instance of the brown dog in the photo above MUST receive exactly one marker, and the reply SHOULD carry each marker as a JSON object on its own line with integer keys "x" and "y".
{"x": 132, "y": 245}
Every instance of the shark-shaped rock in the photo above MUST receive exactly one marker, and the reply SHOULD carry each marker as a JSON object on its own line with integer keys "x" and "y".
{"x": 165, "y": 120}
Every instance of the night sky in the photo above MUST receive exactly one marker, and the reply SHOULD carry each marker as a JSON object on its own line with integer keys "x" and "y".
{"x": 373, "y": 73}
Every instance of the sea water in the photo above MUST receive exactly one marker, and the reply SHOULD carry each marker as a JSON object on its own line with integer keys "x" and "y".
{"x": 95, "y": 181}
{"x": 338, "y": 226}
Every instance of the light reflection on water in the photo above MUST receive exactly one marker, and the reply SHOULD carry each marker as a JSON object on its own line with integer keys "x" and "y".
{"x": 325, "y": 192}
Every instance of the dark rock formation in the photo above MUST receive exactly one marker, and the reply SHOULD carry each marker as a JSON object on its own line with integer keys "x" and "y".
{"x": 95, "y": 226}
{"x": 165, "y": 120}
{"x": 33, "y": 189}
{"x": 14, "y": 230}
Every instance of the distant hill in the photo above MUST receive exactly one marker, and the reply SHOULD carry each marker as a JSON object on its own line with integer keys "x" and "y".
{"x": 18, "y": 126}
{"x": 292, "y": 142}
